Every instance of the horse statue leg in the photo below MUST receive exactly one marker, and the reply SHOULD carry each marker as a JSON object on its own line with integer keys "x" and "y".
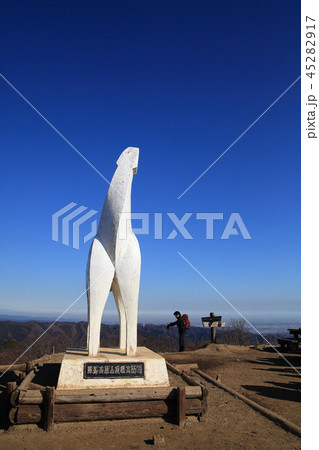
{"x": 120, "y": 308}
{"x": 100, "y": 274}
{"x": 127, "y": 277}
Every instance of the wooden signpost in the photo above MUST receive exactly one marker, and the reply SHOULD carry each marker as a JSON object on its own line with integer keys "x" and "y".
{"x": 213, "y": 322}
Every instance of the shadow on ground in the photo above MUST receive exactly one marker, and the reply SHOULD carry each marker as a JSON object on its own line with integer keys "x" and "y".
{"x": 287, "y": 391}
{"x": 279, "y": 364}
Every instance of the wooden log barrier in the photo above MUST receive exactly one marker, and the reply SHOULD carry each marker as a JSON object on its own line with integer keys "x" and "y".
{"x": 21, "y": 376}
{"x": 15, "y": 393}
{"x": 11, "y": 387}
{"x": 12, "y": 393}
{"x": 173, "y": 369}
{"x": 102, "y": 411}
{"x": 28, "y": 366}
{"x": 186, "y": 367}
{"x": 50, "y": 405}
{"x": 27, "y": 379}
{"x": 13, "y": 416}
{"x": 25, "y": 414}
{"x": 184, "y": 375}
{"x": 192, "y": 382}
{"x": 35, "y": 397}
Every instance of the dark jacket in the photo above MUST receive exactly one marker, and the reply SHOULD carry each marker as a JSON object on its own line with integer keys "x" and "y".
{"x": 180, "y": 324}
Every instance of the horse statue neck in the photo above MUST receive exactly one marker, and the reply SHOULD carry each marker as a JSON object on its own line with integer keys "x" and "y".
{"x": 117, "y": 205}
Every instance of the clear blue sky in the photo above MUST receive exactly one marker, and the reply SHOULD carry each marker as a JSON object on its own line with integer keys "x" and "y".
{"x": 181, "y": 81}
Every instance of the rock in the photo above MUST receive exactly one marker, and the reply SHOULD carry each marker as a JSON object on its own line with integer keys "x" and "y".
{"x": 158, "y": 440}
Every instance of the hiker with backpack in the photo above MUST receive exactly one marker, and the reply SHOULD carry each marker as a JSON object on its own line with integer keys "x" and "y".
{"x": 183, "y": 325}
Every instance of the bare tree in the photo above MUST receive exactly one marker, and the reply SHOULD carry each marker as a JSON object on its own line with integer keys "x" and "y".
{"x": 237, "y": 333}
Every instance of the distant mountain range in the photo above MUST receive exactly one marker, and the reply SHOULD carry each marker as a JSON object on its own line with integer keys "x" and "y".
{"x": 273, "y": 326}
{"x": 21, "y": 316}
{"x": 23, "y": 337}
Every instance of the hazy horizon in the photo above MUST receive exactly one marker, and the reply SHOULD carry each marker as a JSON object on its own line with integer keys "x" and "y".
{"x": 147, "y": 318}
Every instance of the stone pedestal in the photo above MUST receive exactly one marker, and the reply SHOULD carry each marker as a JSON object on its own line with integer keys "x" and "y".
{"x": 112, "y": 368}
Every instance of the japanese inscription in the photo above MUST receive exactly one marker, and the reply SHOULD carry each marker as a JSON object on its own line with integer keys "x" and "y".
{"x": 113, "y": 370}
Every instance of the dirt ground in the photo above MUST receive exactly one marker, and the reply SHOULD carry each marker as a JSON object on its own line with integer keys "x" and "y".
{"x": 258, "y": 373}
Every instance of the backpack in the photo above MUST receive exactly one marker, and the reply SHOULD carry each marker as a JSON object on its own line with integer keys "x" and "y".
{"x": 187, "y": 323}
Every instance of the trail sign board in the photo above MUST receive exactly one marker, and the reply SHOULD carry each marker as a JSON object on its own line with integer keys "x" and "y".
{"x": 210, "y": 320}
{"x": 213, "y": 322}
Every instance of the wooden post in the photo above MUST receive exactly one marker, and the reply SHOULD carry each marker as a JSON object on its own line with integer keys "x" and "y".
{"x": 48, "y": 409}
{"x": 181, "y": 409}
{"x": 21, "y": 376}
{"x": 204, "y": 401}
{"x": 12, "y": 393}
{"x": 11, "y": 386}
{"x": 28, "y": 366}
{"x": 213, "y": 330}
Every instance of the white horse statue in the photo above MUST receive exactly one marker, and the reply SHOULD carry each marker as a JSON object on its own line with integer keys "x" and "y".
{"x": 114, "y": 262}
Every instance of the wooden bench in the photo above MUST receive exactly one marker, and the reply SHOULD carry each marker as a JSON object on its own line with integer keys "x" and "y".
{"x": 296, "y": 332}
{"x": 291, "y": 343}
